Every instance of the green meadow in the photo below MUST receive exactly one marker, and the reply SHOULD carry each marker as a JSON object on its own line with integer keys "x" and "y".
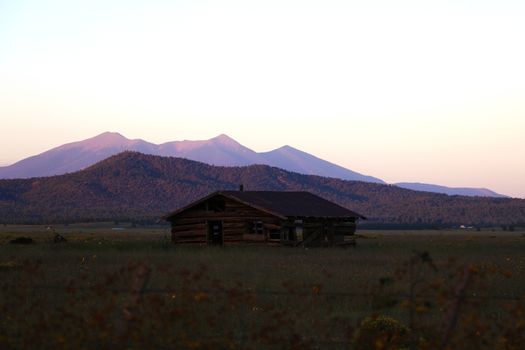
{"x": 125, "y": 286}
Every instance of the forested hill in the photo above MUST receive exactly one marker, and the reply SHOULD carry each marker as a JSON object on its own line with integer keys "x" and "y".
{"x": 137, "y": 187}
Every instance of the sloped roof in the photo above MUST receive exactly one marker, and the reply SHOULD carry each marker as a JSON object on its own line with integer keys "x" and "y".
{"x": 285, "y": 204}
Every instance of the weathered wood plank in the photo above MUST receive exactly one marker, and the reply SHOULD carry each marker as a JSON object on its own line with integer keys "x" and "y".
{"x": 234, "y": 224}
{"x": 190, "y": 236}
{"x": 234, "y": 234}
{"x": 233, "y": 239}
{"x": 189, "y": 227}
{"x": 193, "y": 214}
{"x": 253, "y": 237}
{"x": 186, "y": 221}
{"x": 191, "y": 241}
{"x": 271, "y": 226}
{"x": 189, "y": 233}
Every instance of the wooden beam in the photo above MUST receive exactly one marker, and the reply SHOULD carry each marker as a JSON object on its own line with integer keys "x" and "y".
{"x": 188, "y": 227}
{"x": 185, "y": 221}
{"x": 270, "y": 226}
{"x": 253, "y": 237}
{"x": 190, "y": 233}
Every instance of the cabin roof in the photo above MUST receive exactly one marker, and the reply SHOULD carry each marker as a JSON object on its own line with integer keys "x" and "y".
{"x": 284, "y": 204}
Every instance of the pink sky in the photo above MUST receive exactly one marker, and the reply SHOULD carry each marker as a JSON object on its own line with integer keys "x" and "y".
{"x": 419, "y": 91}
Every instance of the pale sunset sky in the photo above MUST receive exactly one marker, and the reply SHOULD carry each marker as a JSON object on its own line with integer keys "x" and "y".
{"x": 426, "y": 91}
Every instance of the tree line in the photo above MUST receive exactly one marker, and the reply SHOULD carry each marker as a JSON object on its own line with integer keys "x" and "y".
{"x": 142, "y": 188}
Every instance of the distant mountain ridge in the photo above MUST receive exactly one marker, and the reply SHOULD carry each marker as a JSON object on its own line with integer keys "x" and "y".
{"x": 221, "y": 150}
{"x": 138, "y": 187}
{"x": 451, "y": 191}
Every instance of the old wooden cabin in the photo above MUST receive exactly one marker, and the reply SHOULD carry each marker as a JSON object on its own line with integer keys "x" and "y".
{"x": 290, "y": 218}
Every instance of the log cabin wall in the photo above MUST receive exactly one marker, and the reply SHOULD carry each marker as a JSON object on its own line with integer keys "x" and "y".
{"x": 240, "y": 222}
{"x": 317, "y": 231}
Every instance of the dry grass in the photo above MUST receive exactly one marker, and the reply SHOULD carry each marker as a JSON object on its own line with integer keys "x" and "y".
{"x": 81, "y": 294}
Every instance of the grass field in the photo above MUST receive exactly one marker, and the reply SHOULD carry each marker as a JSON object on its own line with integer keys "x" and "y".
{"x": 128, "y": 287}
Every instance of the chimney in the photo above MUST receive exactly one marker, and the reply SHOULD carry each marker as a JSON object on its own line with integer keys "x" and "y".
{"x": 241, "y": 187}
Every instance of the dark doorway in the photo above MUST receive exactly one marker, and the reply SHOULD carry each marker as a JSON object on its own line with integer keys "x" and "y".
{"x": 215, "y": 232}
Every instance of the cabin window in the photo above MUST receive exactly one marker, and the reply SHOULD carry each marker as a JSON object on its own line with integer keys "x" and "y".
{"x": 257, "y": 227}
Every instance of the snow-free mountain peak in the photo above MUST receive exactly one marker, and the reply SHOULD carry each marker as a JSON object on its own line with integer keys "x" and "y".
{"x": 290, "y": 158}
{"x": 220, "y": 150}
{"x": 223, "y": 138}
{"x": 226, "y": 141}
{"x": 285, "y": 148}
{"x": 106, "y": 139}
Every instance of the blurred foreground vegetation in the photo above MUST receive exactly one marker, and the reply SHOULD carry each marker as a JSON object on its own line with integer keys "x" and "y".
{"x": 118, "y": 286}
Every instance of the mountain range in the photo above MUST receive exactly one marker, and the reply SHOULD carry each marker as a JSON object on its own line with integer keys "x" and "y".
{"x": 451, "y": 191}
{"x": 221, "y": 150}
{"x": 139, "y": 188}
